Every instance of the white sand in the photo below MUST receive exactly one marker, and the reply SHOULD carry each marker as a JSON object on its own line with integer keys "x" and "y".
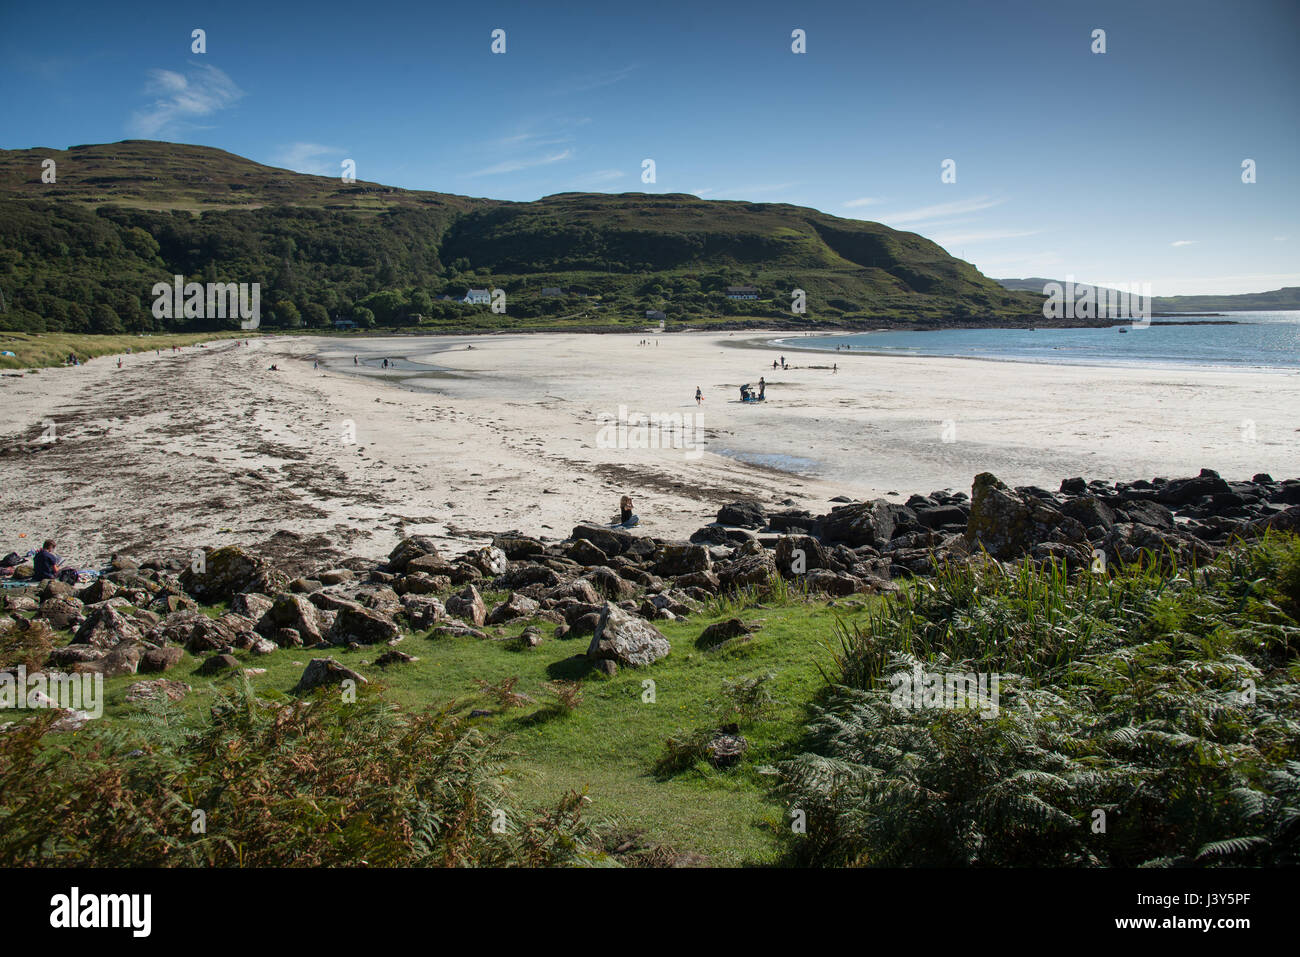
{"x": 208, "y": 447}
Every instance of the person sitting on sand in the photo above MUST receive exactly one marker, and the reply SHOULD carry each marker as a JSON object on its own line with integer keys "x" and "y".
{"x": 744, "y": 392}
{"x": 625, "y": 516}
{"x": 45, "y": 563}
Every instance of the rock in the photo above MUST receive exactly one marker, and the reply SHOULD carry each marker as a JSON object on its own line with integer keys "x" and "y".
{"x": 216, "y": 634}
{"x": 609, "y": 540}
{"x": 585, "y": 552}
{"x": 1090, "y": 511}
{"x": 289, "y": 638}
{"x": 531, "y": 637}
{"x": 218, "y": 664}
{"x": 305, "y": 585}
{"x": 263, "y": 646}
{"x": 122, "y": 659}
{"x": 366, "y": 626}
{"x": 251, "y": 605}
{"x": 468, "y": 605}
{"x": 522, "y": 574}
{"x": 1147, "y": 513}
{"x": 746, "y": 514}
{"x": 106, "y": 627}
{"x": 101, "y": 589}
{"x": 157, "y": 690}
{"x": 941, "y": 515}
{"x": 421, "y": 611}
{"x": 1287, "y": 520}
{"x": 161, "y": 659}
{"x": 682, "y": 559}
{"x": 70, "y": 655}
{"x": 489, "y": 561}
{"x": 336, "y": 576}
{"x": 608, "y": 583}
{"x": 429, "y": 565}
{"x": 579, "y": 590}
{"x": 726, "y": 747}
{"x": 226, "y": 572}
{"x": 394, "y": 657}
{"x": 722, "y": 631}
{"x": 607, "y": 667}
{"x": 516, "y": 606}
{"x": 295, "y": 611}
{"x": 20, "y": 604}
{"x": 747, "y": 571}
{"x": 1185, "y": 491}
{"x": 517, "y": 546}
{"x": 862, "y": 523}
{"x": 61, "y": 611}
{"x": 416, "y": 546}
{"x": 796, "y": 554}
{"x": 419, "y": 583}
{"x": 325, "y": 671}
{"x": 626, "y": 639}
{"x": 53, "y": 588}
{"x": 1009, "y": 523}
{"x": 1073, "y": 486}
{"x": 832, "y": 583}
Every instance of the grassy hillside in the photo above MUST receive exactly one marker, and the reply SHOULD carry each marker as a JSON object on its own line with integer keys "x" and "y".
{"x": 82, "y": 254}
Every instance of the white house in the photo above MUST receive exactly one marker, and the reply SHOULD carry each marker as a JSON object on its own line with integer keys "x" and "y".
{"x": 655, "y": 314}
{"x": 478, "y": 297}
{"x": 742, "y": 292}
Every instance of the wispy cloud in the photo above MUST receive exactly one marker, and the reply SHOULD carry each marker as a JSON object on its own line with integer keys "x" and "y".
{"x": 310, "y": 158}
{"x": 1279, "y": 239}
{"x": 586, "y": 82}
{"x": 182, "y": 98}
{"x": 948, "y": 240}
{"x": 1184, "y": 242}
{"x": 864, "y": 201}
{"x": 602, "y": 176}
{"x": 514, "y": 166}
{"x": 702, "y": 192}
{"x": 911, "y": 217}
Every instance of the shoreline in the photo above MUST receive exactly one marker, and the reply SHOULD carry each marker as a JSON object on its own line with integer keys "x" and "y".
{"x": 206, "y": 447}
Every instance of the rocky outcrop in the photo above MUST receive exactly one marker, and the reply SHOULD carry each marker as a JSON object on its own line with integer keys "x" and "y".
{"x": 626, "y": 639}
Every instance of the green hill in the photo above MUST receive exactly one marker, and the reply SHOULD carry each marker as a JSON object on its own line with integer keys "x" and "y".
{"x": 1285, "y": 298}
{"x": 82, "y": 254}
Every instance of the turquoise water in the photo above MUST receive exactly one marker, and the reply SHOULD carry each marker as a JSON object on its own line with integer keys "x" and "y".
{"x": 1255, "y": 340}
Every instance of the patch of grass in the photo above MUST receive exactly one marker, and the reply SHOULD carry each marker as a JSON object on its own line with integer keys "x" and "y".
{"x": 44, "y": 349}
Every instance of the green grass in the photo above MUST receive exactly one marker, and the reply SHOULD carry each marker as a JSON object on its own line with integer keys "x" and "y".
{"x": 609, "y": 745}
{"x": 37, "y": 350}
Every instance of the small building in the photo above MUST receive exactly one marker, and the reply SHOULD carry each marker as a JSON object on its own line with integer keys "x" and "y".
{"x": 742, "y": 292}
{"x": 655, "y": 314}
{"x": 344, "y": 324}
{"x": 478, "y": 297}
{"x": 552, "y": 291}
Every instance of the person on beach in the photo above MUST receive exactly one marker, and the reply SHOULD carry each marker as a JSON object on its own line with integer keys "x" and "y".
{"x": 773, "y": 363}
{"x": 699, "y": 396}
{"x": 626, "y": 517}
{"x": 315, "y": 363}
{"x": 762, "y": 388}
{"x": 354, "y": 361}
{"x": 45, "y": 563}
{"x": 119, "y": 362}
{"x": 835, "y": 367}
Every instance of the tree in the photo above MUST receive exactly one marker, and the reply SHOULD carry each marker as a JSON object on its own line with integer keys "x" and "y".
{"x": 315, "y": 315}
{"x": 288, "y": 315}
{"x": 104, "y": 320}
{"x": 363, "y": 317}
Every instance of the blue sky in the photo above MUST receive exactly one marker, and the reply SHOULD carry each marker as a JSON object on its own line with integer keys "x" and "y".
{"x": 1115, "y": 167}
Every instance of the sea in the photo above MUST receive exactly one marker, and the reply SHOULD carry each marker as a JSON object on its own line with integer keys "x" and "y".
{"x": 1249, "y": 340}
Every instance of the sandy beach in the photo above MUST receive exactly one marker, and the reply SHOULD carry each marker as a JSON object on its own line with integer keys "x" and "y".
{"x": 207, "y": 446}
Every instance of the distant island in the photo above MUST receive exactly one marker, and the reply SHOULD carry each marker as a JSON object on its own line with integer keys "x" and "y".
{"x": 1287, "y": 297}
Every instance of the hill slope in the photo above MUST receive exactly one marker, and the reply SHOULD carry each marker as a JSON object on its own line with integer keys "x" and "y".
{"x": 82, "y": 253}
